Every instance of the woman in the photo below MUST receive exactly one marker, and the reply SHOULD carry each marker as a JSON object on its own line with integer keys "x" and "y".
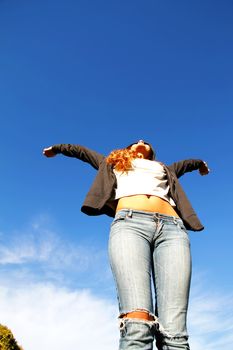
{"x": 148, "y": 239}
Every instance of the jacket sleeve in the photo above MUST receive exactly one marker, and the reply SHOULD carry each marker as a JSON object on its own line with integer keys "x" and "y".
{"x": 184, "y": 166}
{"x": 77, "y": 151}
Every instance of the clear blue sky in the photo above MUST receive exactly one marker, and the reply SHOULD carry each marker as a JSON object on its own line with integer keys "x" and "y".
{"x": 104, "y": 74}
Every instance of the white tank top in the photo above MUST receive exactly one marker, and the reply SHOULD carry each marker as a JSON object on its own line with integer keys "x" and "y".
{"x": 146, "y": 177}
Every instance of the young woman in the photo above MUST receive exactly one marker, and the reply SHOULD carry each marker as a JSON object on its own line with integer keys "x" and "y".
{"x": 148, "y": 239}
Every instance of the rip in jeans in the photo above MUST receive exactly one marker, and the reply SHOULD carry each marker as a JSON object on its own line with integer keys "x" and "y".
{"x": 153, "y": 324}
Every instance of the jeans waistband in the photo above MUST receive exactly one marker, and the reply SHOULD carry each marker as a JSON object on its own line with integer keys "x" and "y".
{"x": 147, "y": 214}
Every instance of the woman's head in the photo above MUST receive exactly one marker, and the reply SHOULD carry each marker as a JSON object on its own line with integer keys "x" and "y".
{"x": 143, "y": 149}
{"x": 122, "y": 159}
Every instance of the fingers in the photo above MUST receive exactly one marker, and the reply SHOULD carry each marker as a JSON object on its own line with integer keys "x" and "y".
{"x": 204, "y": 169}
{"x": 48, "y": 152}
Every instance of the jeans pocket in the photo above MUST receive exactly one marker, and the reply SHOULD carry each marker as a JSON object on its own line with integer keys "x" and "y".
{"x": 117, "y": 219}
{"x": 181, "y": 225}
{"x": 183, "y": 230}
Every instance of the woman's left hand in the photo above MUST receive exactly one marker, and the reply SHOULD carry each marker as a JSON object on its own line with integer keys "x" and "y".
{"x": 48, "y": 152}
{"x": 203, "y": 169}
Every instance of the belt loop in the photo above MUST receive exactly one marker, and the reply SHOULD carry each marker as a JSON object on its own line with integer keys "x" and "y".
{"x": 130, "y": 213}
{"x": 175, "y": 220}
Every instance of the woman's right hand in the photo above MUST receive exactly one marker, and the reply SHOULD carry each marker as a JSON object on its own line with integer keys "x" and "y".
{"x": 203, "y": 169}
{"x": 48, "y": 152}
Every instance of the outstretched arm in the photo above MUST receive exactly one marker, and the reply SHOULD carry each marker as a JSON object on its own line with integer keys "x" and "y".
{"x": 188, "y": 165}
{"x": 83, "y": 153}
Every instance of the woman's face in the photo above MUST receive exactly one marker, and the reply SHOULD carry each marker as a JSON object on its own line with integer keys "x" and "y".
{"x": 142, "y": 148}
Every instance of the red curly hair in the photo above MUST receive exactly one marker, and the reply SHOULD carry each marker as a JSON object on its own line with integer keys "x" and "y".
{"x": 122, "y": 159}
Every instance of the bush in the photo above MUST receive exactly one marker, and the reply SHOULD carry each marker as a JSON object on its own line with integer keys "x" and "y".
{"x": 7, "y": 340}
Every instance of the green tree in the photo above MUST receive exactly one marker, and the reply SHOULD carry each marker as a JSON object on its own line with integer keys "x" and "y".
{"x": 7, "y": 340}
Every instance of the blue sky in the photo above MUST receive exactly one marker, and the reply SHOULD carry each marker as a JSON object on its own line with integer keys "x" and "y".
{"x": 104, "y": 74}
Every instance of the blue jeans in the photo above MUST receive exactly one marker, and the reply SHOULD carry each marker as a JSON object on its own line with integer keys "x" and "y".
{"x": 146, "y": 247}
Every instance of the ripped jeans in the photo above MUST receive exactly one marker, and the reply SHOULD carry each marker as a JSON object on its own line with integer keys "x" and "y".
{"x": 145, "y": 247}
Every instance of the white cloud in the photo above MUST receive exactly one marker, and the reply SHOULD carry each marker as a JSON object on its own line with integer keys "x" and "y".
{"x": 33, "y": 243}
{"x": 48, "y": 317}
{"x": 44, "y": 313}
{"x": 210, "y": 318}
{"x": 36, "y": 244}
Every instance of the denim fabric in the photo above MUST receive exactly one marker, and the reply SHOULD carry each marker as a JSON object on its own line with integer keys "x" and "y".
{"x": 146, "y": 247}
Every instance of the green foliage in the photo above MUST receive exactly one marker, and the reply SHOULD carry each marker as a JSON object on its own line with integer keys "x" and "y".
{"x": 7, "y": 340}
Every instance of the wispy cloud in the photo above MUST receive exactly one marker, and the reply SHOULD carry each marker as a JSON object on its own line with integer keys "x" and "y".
{"x": 36, "y": 263}
{"x": 28, "y": 249}
{"x": 44, "y": 310}
{"x": 39, "y": 253}
{"x": 38, "y": 244}
{"x": 210, "y": 317}
{"x": 44, "y": 316}
{"x": 48, "y": 317}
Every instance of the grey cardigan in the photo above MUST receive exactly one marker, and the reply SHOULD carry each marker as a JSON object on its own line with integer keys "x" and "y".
{"x": 100, "y": 198}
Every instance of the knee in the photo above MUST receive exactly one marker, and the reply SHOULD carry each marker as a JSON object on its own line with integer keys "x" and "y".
{"x": 139, "y": 318}
{"x": 136, "y": 331}
{"x": 139, "y": 314}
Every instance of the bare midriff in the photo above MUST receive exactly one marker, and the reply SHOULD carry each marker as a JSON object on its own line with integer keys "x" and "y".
{"x": 146, "y": 203}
